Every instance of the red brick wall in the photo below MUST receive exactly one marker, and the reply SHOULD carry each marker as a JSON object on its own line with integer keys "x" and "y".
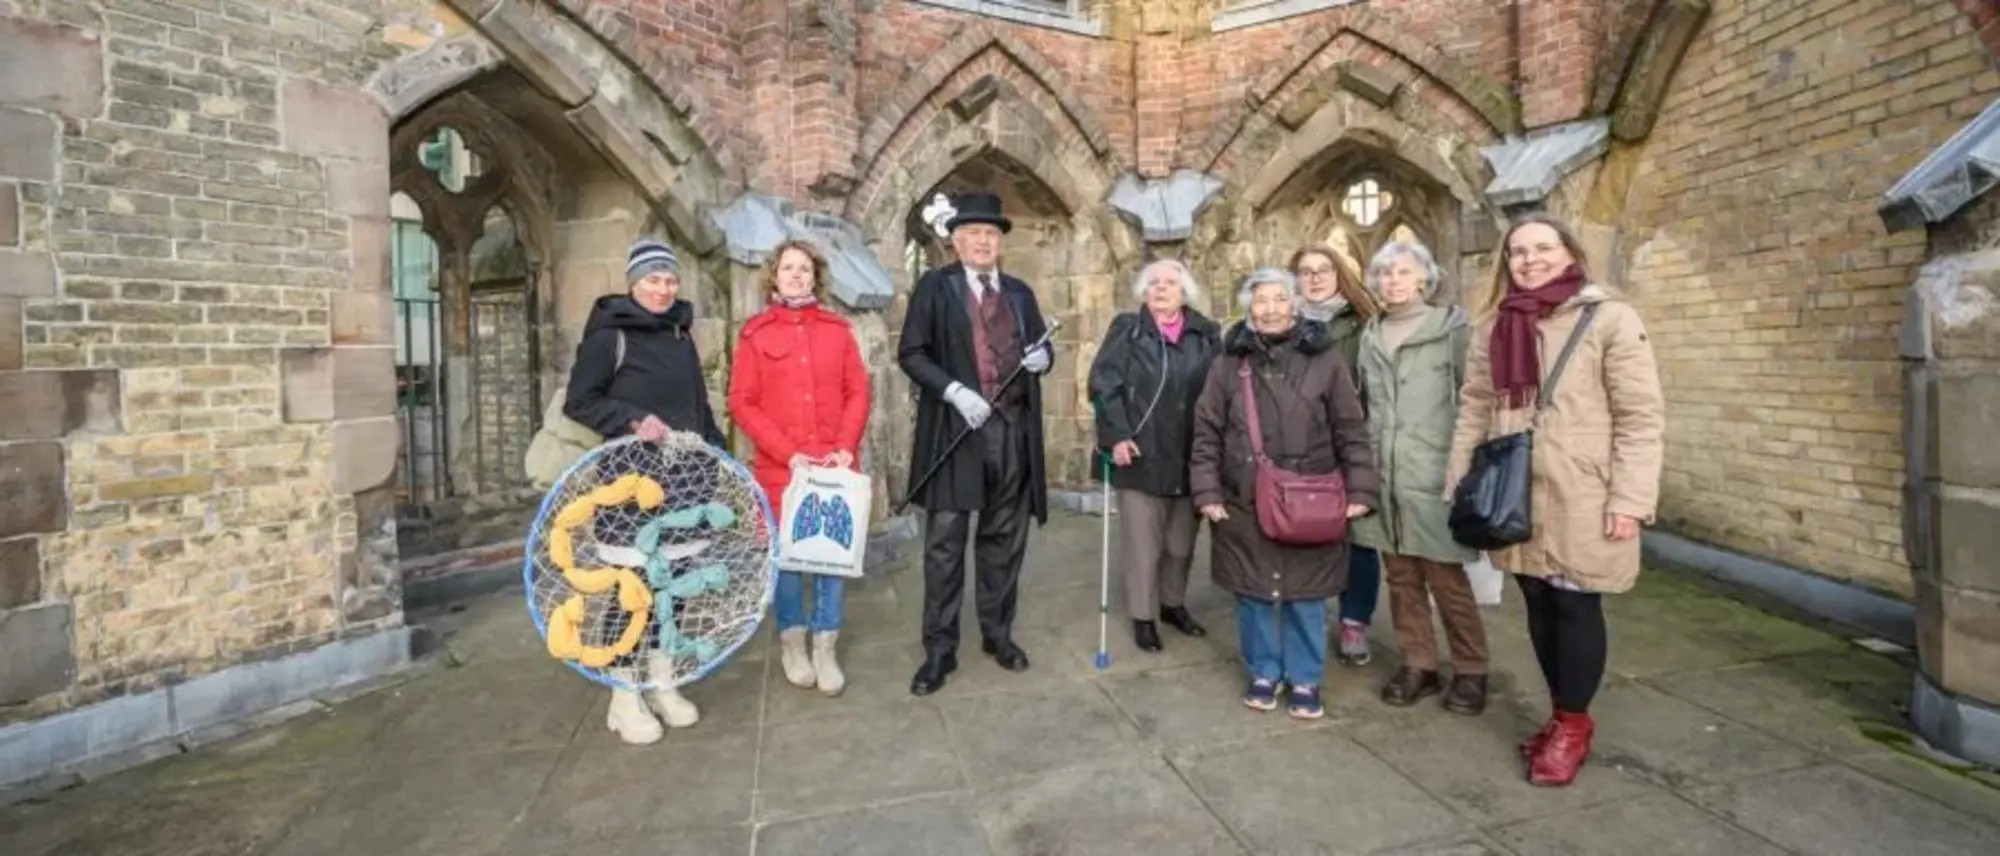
{"x": 784, "y": 95}
{"x": 1985, "y": 15}
{"x": 692, "y": 49}
{"x": 1561, "y": 44}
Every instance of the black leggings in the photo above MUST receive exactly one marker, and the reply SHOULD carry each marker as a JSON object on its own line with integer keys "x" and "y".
{"x": 1567, "y": 628}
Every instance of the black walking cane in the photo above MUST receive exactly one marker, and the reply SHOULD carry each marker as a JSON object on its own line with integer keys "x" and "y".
{"x": 1054, "y": 325}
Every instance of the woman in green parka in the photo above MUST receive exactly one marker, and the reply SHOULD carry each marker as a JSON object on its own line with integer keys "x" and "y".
{"x": 1412, "y": 359}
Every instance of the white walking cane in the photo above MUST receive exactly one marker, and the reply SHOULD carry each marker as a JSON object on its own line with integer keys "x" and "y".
{"x": 1104, "y": 544}
{"x": 1104, "y": 575}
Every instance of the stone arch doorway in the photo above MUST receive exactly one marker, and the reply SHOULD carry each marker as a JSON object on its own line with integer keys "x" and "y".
{"x": 1356, "y": 198}
{"x": 1060, "y": 252}
{"x": 508, "y": 226}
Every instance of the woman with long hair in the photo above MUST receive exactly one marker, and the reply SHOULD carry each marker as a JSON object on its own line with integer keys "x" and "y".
{"x": 1331, "y": 293}
{"x": 1598, "y": 421}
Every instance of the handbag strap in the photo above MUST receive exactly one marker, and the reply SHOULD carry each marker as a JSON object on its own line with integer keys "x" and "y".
{"x": 1548, "y": 386}
{"x": 1245, "y": 380}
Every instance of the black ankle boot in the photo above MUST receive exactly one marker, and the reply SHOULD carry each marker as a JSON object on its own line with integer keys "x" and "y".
{"x": 1181, "y": 620}
{"x": 1146, "y": 635}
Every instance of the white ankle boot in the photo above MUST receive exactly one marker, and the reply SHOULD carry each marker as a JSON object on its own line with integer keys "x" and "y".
{"x": 668, "y": 701}
{"x": 826, "y": 668}
{"x": 631, "y": 721}
{"x": 792, "y": 654}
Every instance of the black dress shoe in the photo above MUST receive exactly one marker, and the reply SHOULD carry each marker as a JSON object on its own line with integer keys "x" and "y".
{"x": 930, "y": 676}
{"x": 1146, "y": 635}
{"x": 1179, "y": 617}
{"x": 1007, "y": 654}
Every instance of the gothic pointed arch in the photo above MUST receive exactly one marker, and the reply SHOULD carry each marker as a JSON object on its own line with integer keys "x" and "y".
{"x": 1350, "y": 110}
{"x": 642, "y": 131}
{"x": 1417, "y": 86}
{"x": 998, "y": 49}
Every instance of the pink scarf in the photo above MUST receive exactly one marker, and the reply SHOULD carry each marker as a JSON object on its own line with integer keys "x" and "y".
{"x": 1172, "y": 329}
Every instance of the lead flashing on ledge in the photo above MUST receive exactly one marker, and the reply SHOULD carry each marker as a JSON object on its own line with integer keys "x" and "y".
{"x": 1026, "y": 12}
{"x": 1265, "y": 11}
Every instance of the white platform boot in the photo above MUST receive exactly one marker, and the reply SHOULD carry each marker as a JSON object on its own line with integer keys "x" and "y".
{"x": 792, "y": 655}
{"x": 826, "y": 668}
{"x": 668, "y": 701}
{"x": 631, "y": 721}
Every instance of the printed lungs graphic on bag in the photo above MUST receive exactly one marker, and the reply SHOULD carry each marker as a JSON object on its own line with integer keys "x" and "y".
{"x": 827, "y": 517}
{"x": 828, "y": 511}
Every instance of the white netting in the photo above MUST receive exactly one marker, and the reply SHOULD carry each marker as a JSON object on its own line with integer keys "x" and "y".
{"x": 676, "y": 530}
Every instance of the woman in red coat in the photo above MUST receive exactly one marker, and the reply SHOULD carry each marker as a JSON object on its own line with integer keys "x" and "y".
{"x": 799, "y": 390}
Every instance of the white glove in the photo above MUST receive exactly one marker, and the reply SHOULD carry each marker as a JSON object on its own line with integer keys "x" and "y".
{"x": 969, "y": 404}
{"x": 1037, "y": 360}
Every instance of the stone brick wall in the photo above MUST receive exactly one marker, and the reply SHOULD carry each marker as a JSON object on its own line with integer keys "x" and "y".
{"x": 193, "y": 227}
{"x": 187, "y": 329}
{"x": 1772, "y": 290}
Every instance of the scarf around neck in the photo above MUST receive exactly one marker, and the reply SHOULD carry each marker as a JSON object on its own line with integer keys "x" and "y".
{"x": 1517, "y": 366}
{"x": 1322, "y": 311}
{"x": 795, "y": 302}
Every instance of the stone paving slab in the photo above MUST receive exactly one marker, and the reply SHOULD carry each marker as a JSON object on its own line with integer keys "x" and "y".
{"x": 1722, "y": 730}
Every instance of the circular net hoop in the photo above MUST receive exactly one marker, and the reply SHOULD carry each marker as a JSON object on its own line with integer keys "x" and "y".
{"x": 650, "y": 564}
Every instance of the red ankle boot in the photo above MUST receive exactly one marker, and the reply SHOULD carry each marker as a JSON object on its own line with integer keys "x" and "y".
{"x": 1563, "y": 755}
{"x": 1533, "y": 745}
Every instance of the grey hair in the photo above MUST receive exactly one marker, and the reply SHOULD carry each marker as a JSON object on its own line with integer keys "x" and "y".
{"x": 1416, "y": 252}
{"x": 1267, "y": 276}
{"x": 1190, "y": 289}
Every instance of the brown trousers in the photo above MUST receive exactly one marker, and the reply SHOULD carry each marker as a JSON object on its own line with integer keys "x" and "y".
{"x": 1413, "y": 582}
{"x": 1156, "y": 535}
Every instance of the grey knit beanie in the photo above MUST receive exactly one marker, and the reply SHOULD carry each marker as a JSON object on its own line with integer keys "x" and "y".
{"x": 649, "y": 256}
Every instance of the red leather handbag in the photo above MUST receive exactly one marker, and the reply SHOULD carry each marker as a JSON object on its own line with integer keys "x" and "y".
{"x": 1292, "y": 508}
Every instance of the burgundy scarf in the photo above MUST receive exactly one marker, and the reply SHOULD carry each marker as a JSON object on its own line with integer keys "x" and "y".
{"x": 1517, "y": 367}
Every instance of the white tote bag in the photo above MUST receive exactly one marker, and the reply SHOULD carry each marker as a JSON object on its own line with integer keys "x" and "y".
{"x": 825, "y": 518}
{"x": 1487, "y": 581}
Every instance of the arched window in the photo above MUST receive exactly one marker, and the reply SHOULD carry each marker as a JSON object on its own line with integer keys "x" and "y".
{"x": 1366, "y": 202}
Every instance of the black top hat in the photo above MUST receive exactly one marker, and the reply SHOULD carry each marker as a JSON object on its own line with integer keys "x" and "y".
{"x": 977, "y": 206}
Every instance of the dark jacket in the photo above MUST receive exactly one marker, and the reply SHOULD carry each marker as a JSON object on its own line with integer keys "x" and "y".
{"x": 661, "y": 375}
{"x": 935, "y": 350}
{"x": 1127, "y": 382}
{"x": 1312, "y": 423}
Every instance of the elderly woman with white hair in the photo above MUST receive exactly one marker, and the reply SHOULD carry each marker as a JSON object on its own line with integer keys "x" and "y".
{"x": 1143, "y": 384}
{"x": 1281, "y": 464}
{"x": 1412, "y": 358}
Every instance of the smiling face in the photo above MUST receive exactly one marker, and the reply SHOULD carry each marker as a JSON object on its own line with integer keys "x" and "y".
{"x": 1400, "y": 281}
{"x": 1317, "y": 281}
{"x": 1536, "y": 254}
{"x": 1270, "y": 309}
{"x": 977, "y": 244}
{"x": 795, "y": 274}
{"x": 1165, "y": 294}
{"x": 655, "y": 292}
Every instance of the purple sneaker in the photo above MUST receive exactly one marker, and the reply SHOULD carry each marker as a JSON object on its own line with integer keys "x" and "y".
{"x": 1354, "y": 643}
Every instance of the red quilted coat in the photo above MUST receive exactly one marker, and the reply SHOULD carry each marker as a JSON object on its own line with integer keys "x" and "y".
{"x": 797, "y": 386}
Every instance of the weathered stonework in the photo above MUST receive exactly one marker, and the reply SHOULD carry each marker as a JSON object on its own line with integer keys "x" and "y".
{"x": 198, "y": 306}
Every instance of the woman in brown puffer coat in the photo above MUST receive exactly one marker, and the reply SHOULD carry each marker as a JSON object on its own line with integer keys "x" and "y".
{"x": 1311, "y": 423}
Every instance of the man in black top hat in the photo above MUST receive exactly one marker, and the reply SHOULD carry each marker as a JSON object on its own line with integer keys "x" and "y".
{"x": 968, "y": 328}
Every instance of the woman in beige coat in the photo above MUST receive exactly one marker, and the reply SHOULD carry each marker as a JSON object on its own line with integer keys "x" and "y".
{"x": 1596, "y": 460}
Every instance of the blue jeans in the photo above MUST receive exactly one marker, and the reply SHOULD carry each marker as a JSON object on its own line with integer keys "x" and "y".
{"x": 1364, "y": 585}
{"x": 1283, "y": 641}
{"x": 828, "y": 592}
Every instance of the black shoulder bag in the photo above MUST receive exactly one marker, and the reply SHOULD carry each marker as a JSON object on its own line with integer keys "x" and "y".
{"x": 1493, "y": 506}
